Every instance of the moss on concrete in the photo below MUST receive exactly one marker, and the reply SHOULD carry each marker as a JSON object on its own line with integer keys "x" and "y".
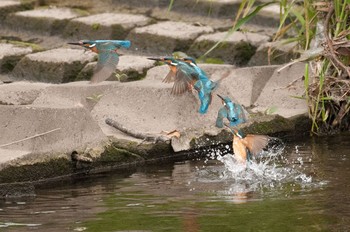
{"x": 38, "y": 171}
{"x": 232, "y": 53}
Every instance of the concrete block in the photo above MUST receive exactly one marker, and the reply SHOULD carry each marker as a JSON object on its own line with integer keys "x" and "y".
{"x": 281, "y": 53}
{"x": 20, "y": 93}
{"x": 130, "y": 68}
{"x": 54, "y": 66}
{"x": 104, "y": 26}
{"x": 75, "y": 129}
{"x": 10, "y": 55}
{"x": 237, "y": 49}
{"x": 280, "y": 91}
{"x": 50, "y": 21}
{"x": 165, "y": 37}
{"x": 9, "y": 6}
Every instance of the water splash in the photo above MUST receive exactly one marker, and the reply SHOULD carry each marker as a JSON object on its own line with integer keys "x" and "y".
{"x": 269, "y": 172}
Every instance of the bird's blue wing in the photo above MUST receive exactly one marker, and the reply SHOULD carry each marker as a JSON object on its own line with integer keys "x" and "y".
{"x": 220, "y": 118}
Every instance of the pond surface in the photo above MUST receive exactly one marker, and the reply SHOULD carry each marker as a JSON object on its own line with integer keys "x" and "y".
{"x": 304, "y": 186}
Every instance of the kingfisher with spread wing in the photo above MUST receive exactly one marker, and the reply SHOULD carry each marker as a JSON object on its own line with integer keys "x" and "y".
{"x": 245, "y": 147}
{"x": 108, "y": 56}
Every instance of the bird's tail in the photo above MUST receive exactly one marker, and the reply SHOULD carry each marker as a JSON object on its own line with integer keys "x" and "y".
{"x": 124, "y": 43}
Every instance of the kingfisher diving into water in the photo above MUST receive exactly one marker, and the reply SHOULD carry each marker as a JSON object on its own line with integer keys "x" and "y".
{"x": 233, "y": 112}
{"x": 108, "y": 56}
{"x": 247, "y": 146}
{"x": 186, "y": 75}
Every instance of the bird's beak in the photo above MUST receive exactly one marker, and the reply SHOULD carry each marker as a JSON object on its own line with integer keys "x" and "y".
{"x": 75, "y": 43}
{"x": 220, "y": 97}
{"x": 156, "y": 59}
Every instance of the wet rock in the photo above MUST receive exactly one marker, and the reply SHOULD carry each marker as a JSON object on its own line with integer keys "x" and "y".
{"x": 280, "y": 54}
{"x": 237, "y": 49}
{"x": 10, "y": 55}
{"x": 49, "y": 21}
{"x": 9, "y": 6}
{"x": 165, "y": 37}
{"x": 104, "y": 26}
{"x": 54, "y": 66}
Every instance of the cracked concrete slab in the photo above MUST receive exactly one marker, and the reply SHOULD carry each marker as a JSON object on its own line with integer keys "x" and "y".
{"x": 104, "y": 26}
{"x": 237, "y": 49}
{"x": 10, "y": 55}
{"x": 47, "y": 21}
{"x": 165, "y": 37}
{"x": 54, "y": 66}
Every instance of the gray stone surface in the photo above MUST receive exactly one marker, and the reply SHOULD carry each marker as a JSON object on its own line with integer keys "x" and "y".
{"x": 54, "y": 66}
{"x": 280, "y": 54}
{"x": 79, "y": 110}
{"x": 104, "y": 26}
{"x": 280, "y": 92}
{"x": 129, "y": 68}
{"x": 50, "y": 21}
{"x": 237, "y": 48}
{"x": 10, "y": 55}
{"x": 20, "y": 93}
{"x": 9, "y": 6}
{"x": 165, "y": 37}
{"x": 77, "y": 130}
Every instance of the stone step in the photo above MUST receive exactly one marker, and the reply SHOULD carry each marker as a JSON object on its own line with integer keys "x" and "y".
{"x": 237, "y": 48}
{"x": 163, "y": 38}
{"x": 10, "y": 55}
{"x": 104, "y": 26}
{"x": 55, "y": 66}
{"x": 47, "y": 21}
{"x": 10, "y": 6}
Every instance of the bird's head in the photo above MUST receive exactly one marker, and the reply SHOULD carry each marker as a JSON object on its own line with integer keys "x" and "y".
{"x": 230, "y": 107}
{"x": 88, "y": 44}
{"x": 168, "y": 60}
{"x": 189, "y": 60}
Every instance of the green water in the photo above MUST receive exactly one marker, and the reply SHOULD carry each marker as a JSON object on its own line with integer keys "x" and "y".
{"x": 306, "y": 188}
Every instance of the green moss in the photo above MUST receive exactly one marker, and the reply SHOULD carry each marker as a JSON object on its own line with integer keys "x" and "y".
{"x": 33, "y": 46}
{"x": 95, "y": 26}
{"x": 81, "y": 12}
{"x": 37, "y": 171}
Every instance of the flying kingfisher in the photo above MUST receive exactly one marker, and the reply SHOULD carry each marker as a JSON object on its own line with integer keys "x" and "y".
{"x": 204, "y": 85}
{"x": 247, "y": 146}
{"x": 187, "y": 75}
{"x": 108, "y": 56}
{"x": 182, "y": 74}
{"x": 234, "y": 113}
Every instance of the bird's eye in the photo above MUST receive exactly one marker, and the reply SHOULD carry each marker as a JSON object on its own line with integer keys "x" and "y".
{"x": 224, "y": 104}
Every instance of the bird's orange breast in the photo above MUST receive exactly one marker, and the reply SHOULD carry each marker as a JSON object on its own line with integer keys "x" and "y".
{"x": 239, "y": 149}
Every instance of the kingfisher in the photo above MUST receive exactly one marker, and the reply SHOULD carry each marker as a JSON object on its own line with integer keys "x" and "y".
{"x": 181, "y": 73}
{"x": 247, "y": 146}
{"x": 234, "y": 113}
{"x": 108, "y": 56}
